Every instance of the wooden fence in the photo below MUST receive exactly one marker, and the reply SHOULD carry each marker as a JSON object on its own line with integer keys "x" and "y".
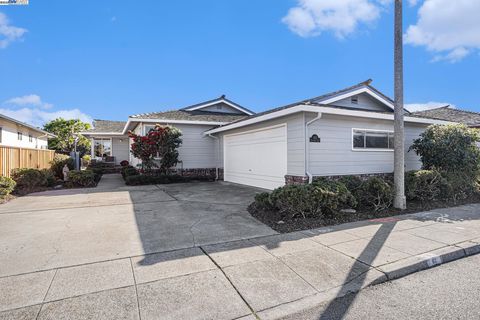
{"x": 14, "y": 157}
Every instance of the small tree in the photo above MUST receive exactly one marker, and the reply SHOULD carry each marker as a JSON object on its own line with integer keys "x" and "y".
{"x": 161, "y": 144}
{"x": 66, "y": 131}
{"x": 449, "y": 148}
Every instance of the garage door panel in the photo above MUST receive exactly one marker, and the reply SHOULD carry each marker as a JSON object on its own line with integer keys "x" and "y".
{"x": 257, "y": 158}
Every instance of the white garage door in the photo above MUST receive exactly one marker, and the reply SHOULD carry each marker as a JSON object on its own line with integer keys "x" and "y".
{"x": 257, "y": 158}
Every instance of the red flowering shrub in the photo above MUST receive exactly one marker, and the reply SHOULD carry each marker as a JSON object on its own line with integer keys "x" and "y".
{"x": 161, "y": 144}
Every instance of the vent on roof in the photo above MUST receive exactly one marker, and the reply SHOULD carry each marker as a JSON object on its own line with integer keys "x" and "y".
{"x": 355, "y": 100}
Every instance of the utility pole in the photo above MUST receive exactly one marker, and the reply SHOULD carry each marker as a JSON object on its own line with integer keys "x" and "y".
{"x": 399, "y": 201}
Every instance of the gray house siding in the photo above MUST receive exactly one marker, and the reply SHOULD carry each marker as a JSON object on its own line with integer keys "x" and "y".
{"x": 334, "y": 154}
{"x": 197, "y": 150}
{"x": 222, "y": 107}
{"x": 295, "y": 140}
{"x": 365, "y": 102}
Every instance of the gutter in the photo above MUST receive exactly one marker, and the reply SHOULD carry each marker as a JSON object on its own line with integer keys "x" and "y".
{"x": 217, "y": 155}
{"x": 307, "y": 147}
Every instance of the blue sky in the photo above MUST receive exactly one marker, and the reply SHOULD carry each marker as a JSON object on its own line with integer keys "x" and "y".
{"x": 110, "y": 59}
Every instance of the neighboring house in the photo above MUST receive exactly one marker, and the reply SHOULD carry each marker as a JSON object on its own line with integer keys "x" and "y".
{"x": 348, "y": 132}
{"x": 470, "y": 118}
{"x": 14, "y": 133}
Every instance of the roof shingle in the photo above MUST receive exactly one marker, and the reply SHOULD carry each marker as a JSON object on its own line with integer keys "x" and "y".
{"x": 190, "y": 116}
{"x": 447, "y": 113}
{"x": 107, "y": 126}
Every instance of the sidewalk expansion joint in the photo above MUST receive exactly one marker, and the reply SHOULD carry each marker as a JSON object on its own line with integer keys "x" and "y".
{"x": 231, "y": 283}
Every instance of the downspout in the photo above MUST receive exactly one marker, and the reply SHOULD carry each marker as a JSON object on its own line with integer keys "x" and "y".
{"x": 307, "y": 148}
{"x": 217, "y": 155}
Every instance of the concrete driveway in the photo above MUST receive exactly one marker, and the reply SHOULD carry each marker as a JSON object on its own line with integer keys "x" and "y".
{"x": 191, "y": 251}
{"x": 71, "y": 227}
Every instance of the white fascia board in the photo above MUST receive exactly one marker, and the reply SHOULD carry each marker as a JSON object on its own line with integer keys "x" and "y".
{"x": 325, "y": 110}
{"x": 218, "y": 101}
{"x": 211, "y": 123}
{"x": 357, "y": 92}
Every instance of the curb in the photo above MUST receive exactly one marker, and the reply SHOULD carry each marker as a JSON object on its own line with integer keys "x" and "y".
{"x": 389, "y": 272}
{"x": 429, "y": 260}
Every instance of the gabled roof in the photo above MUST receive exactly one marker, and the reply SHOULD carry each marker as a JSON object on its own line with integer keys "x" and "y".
{"x": 221, "y": 99}
{"x": 321, "y": 104}
{"x": 448, "y": 113}
{"x": 107, "y": 126}
{"x": 362, "y": 87}
{"x": 26, "y": 125}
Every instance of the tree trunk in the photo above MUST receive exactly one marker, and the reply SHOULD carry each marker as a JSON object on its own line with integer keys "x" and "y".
{"x": 399, "y": 135}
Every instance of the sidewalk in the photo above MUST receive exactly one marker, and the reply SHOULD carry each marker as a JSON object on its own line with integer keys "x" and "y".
{"x": 266, "y": 277}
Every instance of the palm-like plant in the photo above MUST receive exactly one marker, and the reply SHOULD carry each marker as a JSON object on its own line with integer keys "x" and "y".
{"x": 399, "y": 136}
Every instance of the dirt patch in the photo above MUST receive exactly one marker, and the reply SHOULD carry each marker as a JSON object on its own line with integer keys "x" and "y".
{"x": 287, "y": 224}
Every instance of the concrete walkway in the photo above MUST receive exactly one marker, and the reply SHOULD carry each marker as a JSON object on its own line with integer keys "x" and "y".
{"x": 250, "y": 276}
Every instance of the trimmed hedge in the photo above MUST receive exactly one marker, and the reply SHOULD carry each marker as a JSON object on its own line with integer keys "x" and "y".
{"x": 140, "y": 179}
{"x": 375, "y": 193}
{"x": 322, "y": 198}
{"x": 129, "y": 171}
{"x": 29, "y": 179}
{"x": 83, "y": 179}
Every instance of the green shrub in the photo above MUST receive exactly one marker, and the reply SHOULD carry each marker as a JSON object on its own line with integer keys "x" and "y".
{"x": 128, "y": 171}
{"x": 321, "y": 198}
{"x": 6, "y": 186}
{"x": 341, "y": 197}
{"x": 29, "y": 179}
{"x": 458, "y": 186}
{"x": 450, "y": 148}
{"x": 140, "y": 179}
{"x": 87, "y": 158}
{"x": 81, "y": 178}
{"x": 424, "y": 185}
{"x": 376, "y": 193}
{"x": 58, "y": 162}
{"x": 353, "y": 184}
{"x": 262, "y": 200}
{"x": 49, "y": 177}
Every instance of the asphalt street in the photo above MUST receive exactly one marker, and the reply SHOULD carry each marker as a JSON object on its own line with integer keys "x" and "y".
{"x": 450, "y": 291}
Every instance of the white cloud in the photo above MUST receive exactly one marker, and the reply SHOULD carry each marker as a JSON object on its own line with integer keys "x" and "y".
{"x": 412, "y": 107}
{"x": 29, "y": 100}
{"x": 9, "y": 33}
{"x": 342, "y": 17}
{"x": 449, "y": 29}
{"x": 38, "y": 117}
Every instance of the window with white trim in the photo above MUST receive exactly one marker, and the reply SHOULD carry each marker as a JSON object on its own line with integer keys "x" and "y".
{"x": 102, "y": 147}
{"x": 365, "y": 139}
{"x": 19, "y": 136}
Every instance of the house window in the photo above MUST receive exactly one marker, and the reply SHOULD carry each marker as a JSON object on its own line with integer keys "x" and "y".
{"x": 1, "y": 132}
{"x": 30, "y": 138}
{"x": 19, "y": 136}
{"x": 102, "y": 147}
{"x": 147, "y": 128}
{"x": 364, "y": 139}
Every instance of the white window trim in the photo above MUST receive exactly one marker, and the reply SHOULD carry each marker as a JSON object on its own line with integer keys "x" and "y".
{"x": 370, "y": 149}
{"x": 93, "y": 146}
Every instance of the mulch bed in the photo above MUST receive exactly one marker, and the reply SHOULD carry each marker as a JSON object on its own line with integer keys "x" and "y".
{"x": 271, "y": 218}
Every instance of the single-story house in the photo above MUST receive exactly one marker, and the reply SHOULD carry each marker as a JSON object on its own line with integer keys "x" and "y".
{"x": 14, "y": 133}
{"x": 447, "y": 113}
{"x": 198, "y": 153}
{"x": 347, "y": 132}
